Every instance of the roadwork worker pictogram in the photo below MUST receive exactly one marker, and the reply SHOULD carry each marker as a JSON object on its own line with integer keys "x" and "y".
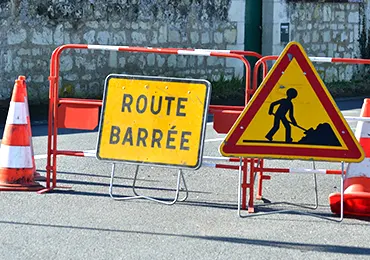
{"x": 285, "y": 106}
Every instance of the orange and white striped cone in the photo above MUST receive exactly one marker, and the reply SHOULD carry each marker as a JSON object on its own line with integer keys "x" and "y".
{"x": 356, "y": 200}
{"x": 36, "y": 174}
{"x": 16, "y": 171}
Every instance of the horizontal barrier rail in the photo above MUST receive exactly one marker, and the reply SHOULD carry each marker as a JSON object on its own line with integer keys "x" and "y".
{"x": 298, "y": 170}
{"x": 356, "y": 118}
{"x": 263, "y": 62}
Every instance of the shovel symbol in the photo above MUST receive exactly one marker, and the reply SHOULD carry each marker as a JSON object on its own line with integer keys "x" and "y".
{"x": 306, "y": 131}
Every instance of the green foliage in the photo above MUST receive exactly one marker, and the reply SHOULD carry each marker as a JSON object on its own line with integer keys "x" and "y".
{"x": 354, "y": 88}
{"x": 232, "y": 91}
{"x": 228, "y": 91}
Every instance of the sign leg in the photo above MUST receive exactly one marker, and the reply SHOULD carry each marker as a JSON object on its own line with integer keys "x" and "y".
{"x": 316, "y": 192}
{"x": 342, "y": 193}
{"x": 180, "y": 178}
{"x": 164, "y": 201}
{"x": 260, "y": 180}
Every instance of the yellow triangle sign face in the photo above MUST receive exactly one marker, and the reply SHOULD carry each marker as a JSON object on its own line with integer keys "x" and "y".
{"x": 292, "y": 116}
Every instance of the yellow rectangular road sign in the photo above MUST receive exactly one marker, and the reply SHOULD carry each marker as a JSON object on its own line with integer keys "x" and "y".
{"x": 153, "y": 120}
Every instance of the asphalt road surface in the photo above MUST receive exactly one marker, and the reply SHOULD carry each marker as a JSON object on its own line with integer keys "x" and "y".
{"x": 85, "y": 223}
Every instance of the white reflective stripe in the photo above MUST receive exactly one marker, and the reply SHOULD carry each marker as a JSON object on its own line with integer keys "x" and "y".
{"x": 210, "y": 50}
{"x": 89, "y": 153}
{"x": 205, "y": 164}
{"x": 358, "y": 130}
{"x": 212, "y": 158}
{"x": 361, "y": 169}
{"x": 321, "y": 59}
{"x": 198, "y": 53}
{"x": 293, "y": 170}
{"x": 363, "y": 130}
{"x": 214, "y": 140}
{"x": 17, "y": 114}
{"x": 103, "y": 47}
{"x": 15, "y": 156}
{"x": 357, "y": 118}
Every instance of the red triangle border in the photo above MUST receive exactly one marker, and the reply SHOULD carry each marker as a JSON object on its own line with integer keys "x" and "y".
{"x": 230, "y": 147}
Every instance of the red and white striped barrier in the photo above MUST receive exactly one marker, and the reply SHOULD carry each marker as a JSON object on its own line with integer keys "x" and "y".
{"x": 275, "y": 170}
{"x": 57, "y": 104}
{"x": 263, "y": 62}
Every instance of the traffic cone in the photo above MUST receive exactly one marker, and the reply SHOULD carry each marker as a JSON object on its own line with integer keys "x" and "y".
{"x": 357, "y": 180}
{"x": 36, "y": 174}
{"x": 16, "y": 171}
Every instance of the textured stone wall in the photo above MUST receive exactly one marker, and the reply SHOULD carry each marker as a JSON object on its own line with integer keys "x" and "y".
{"x": 329, "y": 30}
{"x": 31, "y": 30}
{"x": 324, "y": 29}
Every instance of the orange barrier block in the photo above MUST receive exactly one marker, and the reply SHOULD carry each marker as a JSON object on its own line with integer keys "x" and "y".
{"x": 16, "y": 169}
{"x": 357, "y": 181}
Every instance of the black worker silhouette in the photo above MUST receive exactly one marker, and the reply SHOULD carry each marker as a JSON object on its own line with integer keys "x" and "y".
{"x": 285, "y": 106}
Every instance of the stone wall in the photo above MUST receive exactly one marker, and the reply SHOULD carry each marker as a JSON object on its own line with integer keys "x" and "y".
{"x": 31, "y": 30}
{"x": 324, "y": 29}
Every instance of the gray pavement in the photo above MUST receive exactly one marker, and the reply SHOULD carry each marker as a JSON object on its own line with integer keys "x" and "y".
{"x": 85, "y": 223}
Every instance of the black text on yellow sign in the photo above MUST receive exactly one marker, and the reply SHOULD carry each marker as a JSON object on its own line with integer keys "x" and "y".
{"x": 153, "y": 120}
{"x": 160, "y": 105}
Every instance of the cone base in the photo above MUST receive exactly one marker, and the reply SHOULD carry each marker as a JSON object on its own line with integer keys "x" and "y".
{"x": 355, "y": 203}
{"x": 38, "y": 177}
{"x": 29, "y": 186}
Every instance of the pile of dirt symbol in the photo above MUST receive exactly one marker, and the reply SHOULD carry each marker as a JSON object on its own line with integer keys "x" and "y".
{"x": 322, "y": 135}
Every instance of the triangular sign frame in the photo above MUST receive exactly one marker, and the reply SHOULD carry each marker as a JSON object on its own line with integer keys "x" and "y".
{"x": 230, "y": 146}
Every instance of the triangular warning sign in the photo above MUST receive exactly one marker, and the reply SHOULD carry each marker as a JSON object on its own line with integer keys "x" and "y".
{"x": 293, "y": 116}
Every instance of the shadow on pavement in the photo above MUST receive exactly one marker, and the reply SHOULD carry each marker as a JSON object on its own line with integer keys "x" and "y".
{"x": 97, "y": 175}
{"x": 90, "y": 183}
{"x": 324, "y": 248}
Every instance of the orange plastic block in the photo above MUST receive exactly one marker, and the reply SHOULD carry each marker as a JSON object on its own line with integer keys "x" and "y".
{"x": 82, "y": 116}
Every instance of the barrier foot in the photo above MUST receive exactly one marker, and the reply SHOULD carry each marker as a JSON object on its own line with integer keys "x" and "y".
{"x": 38, "y": 177}
{"x": 180, "y": 177}
{"x": 52, "y": 188}
{"x": 35, "y": 187}
{"x": 45, "y": 190}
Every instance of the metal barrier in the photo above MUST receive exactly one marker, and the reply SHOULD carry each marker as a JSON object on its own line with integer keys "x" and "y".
{"x": 67, "y": 112}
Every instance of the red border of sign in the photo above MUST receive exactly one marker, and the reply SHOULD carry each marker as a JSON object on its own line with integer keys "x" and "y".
{"x": 230, "y": 147}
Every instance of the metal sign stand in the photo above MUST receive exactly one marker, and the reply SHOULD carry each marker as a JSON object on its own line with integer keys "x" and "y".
{"x": 299, "y": 212}
{"x": 180, "y": 177}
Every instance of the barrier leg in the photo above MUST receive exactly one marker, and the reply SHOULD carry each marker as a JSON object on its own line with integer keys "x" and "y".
{"x": 260, "y": 180}
{"x": 240, "y": 176}
{"x": 251, "y": 187}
